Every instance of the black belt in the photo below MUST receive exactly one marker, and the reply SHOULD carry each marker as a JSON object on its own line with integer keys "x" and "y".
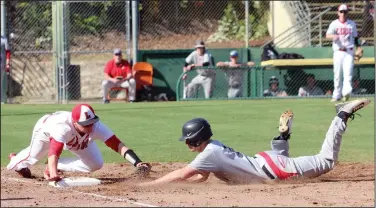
{"x": 344, "y": 49}
{"x": 266, "y": 171}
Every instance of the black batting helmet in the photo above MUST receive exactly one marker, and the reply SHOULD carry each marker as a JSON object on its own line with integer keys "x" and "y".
{"x": 196, "y": 131}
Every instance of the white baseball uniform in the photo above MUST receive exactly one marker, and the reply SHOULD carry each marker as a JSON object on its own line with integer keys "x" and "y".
{"x": 4, "y": 47}
{"x": 59, "y": 126}
{"x": 343, "y": 56}
{"x": 205, "y": 77}
{"x": 232, "y": 166}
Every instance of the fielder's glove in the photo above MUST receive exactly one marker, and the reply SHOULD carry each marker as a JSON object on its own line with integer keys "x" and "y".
{"x": 358, "y": 54}
{"x": 142, "y": 170}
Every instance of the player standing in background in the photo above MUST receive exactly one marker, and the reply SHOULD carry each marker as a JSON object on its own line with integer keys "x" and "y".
{"x": 5, "y": 66}
{"x": 235, "y": 167}
{"x": 74, "y": 131}
{"x": 235, "y": 76}
{"x": 205, "y": 77}
{"x": 344, "y": 34}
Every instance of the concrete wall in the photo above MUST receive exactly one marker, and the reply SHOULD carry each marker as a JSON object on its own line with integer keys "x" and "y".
{"x": 283, "y": 19}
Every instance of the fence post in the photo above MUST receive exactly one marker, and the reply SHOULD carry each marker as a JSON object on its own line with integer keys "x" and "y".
{"x": 4, "y": 76}
{"x": 135, "y": 22}
{"x": 128, "y": 29}
{"x": 246, "y": 5}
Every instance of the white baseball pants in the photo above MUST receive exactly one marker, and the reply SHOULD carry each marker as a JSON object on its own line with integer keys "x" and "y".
{"x": 281, "y": 166}
{"x": 207, "y": 83}
{"x": 130, "y": 84}
{"x": 87, "y": 160}
{"x": 343, "y": 63}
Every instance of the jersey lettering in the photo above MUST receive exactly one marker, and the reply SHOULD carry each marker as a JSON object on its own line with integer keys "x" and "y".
{"x": 231, "y": 153}
{"x": 343, "y": 31}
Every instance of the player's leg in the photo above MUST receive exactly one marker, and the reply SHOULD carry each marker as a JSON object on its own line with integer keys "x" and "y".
{"x": 87, "y": 160}
{"x": 193, "y": 85}
{"x": 313, "y": 166}
{"x": 29, "y": 156}
{"x": 131, "y": 85}
{"x": 337, "y": 72}
{"x": 234, "y": 92}
{"x": 208, "y": 85}
{"x": 106, "y": 85}
{"x": 348, "y": 65}
{"x": 283, "y": 167}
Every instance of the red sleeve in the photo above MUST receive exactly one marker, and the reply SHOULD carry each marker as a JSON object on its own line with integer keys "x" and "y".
{"x": 55, "y": 147}
{"x": 107, "y": 68}
{"x": 7, "y": 54}
{"x": 128, "y": 67}
{"x": 113, "y": 142}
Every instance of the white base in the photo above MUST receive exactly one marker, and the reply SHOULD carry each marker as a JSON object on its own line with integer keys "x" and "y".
{"x": 79, "y": 181}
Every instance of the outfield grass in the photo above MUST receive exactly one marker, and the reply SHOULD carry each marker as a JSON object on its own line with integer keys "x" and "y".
{"x": 153, "y": 129}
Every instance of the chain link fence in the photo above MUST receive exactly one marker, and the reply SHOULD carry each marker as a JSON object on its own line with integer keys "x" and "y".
{"x": 92, "y": 29}
{"x": 30, "y": 29}
{"x": 259, "y": 82}
{"x": 221, "y": 24}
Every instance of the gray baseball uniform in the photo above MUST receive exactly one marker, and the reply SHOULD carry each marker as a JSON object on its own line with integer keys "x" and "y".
{"x": 307, "y": 91}
{"x": 235, "y": 81}
{"x": 205, "y": 77}
{"x": 229, "y": 165}
{"x": 4, "y": 47}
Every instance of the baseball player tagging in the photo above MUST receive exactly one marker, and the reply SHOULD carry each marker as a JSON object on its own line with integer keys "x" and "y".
{"x": 236, "y": 167}
{"x": 75, "y": 131}
{"x": 344, "y": 33}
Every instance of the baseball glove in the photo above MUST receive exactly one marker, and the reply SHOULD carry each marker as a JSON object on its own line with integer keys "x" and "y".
{"x": 358, "y": 54}
{"x": 142, "y": 170}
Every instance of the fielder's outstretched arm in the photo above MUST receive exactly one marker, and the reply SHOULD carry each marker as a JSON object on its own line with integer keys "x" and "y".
{"x": 181, "y": 174}
{"x": 115, "y": 144}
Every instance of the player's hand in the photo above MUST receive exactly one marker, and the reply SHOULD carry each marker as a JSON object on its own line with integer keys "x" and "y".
{"x": 184, "y": 76}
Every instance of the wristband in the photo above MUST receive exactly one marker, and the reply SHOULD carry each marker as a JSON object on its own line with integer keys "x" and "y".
{"x": 131, "y": 157}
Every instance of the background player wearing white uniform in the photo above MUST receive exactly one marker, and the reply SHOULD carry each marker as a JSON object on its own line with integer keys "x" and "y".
{"x": 5, "y": 65}
{"x": 74, "y": 131}
{"x": 205, "y": 77}
{"x": 235, "y": 76}
{"x": 275, "y": 164}
{"x": 344, "y": 34}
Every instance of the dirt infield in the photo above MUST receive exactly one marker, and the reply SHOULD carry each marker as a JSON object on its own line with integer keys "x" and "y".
{"x": 349, "y": 184}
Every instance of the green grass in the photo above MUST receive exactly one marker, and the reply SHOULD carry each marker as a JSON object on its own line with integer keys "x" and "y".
{"x": 153, "y": 129}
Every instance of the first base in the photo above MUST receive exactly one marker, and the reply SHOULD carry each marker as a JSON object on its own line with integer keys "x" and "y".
{"x": 80, "y": 181}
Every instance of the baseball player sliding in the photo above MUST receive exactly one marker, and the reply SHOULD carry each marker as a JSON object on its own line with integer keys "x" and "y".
{"x": 235, "y": 167}
{"x": 74, "y": 131}
{"x": 344, "y": 34}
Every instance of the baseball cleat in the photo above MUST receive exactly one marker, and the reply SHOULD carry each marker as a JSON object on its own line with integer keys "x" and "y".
{"x": 346, "y": 98}
{"x": 285, "y": 122}
{"x": 24, "y": 172}
{"x": 352, "y": 106}
{"x": 334, "y": 100}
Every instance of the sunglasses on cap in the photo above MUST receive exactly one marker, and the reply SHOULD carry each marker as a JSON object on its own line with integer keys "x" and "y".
{"x": 117, "y": 54}
{"x": 343, "y": 11}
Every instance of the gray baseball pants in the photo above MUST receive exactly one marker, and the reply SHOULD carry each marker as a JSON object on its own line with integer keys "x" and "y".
{"x": 130, "y": 84}
{"x": 207, "y": 83}
{"x": 278, "y": 165}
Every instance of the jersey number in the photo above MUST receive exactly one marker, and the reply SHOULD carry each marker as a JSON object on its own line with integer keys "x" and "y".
{"x": 231, "y": 153}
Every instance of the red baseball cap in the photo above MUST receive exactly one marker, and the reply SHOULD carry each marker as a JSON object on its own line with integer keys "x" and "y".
{"x": 84, "y": 115}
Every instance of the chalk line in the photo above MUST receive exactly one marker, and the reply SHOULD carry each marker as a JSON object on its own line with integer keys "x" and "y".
{"x": 90, "y": 194}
